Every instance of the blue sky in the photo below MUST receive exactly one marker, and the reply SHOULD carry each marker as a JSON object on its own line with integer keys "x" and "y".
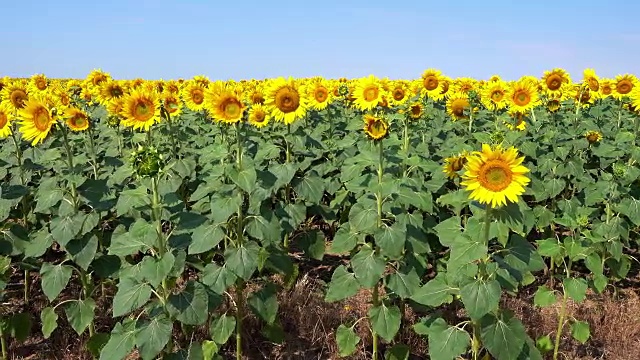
{"x": 257, "y": 39}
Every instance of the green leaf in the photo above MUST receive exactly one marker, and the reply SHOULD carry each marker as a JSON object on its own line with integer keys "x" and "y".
{"x": 54, "y": 279}
{"x": 465, "y": 250}
{"x": 264, "y": 303}
{"x": 344, "y": 240}
{"x": 20, "y": 326}
{"x": 503, "y": 336}
{"x": 132, "y": 294}
{"x": 580, "y": 331}
{"x": 310, "y": 187}
{"x": 447, "y": 342}
{"x": 368, "y": 267}
{"x": 347, "y": 340}
{"x": 190, "y": 306}
{"x": 398, "y": 352}
{"x": 544, "y": 344}
{"x": 83, "y": 250}
{"x": 80, "y": 314}
{"x": 313, "y": 244}
{"x": 576, "y": 288}
{"x": 141, "y": 236}
{"x": 49, "y": 320}
{"x": 630, "y": 207}
{"x": 434, "y": 293}
{"x": 152, "y": 335}
{"x": 363, "y": 219}
{"x": 480, "y": 297}
{"x": 391, "y": 240}
{"x": 96, "y": 343}
{"x": 343, "y": 285}
{"x": 121, "y": 342}
{"x": 66, "y": 228}
{"x": 404, "y": 285}
{"x": 47, "y": 199}
{"x": 448, "y": 230}
{"x": 209, "y": 349}
{"x": 246, "y": 179}
{"x": 544, "y": 297}
{"x": 223, "y": 205}
{"x": 221, "y": 328}
{"x": 155, "y": 270}
{"x": 132, "y": 198}
{"x": 243, "y": 260}
{"x": 385, "y": 321}
{"x": 218, "y": 278}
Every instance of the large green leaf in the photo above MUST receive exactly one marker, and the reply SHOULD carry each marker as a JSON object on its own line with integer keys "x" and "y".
{"x": 385, "y": 320}
{"x": 264, "y": 303}
{"x": 447, "y": 342}
{"x": 54, "y": 278}
{"x": 480, "y": 297}
{"x": 190, "y": 306}
{"x": 152, "y": 335}
{"x": 221, "y": 328}
{"x": 347, "y": 340}
{"x": 504, "y": 335}
{"x": 368, "y": 267}
{"x": 435, "y": 292}
{"x": 243, "y": 260}
{"x": 121, "y": 342}
{"x": 343, "y": 285}
{"x": 80, "y": 314}
{"x": 131, "y": 295}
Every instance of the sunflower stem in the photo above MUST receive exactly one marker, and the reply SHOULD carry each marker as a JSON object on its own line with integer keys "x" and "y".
{"x": 3, "y": 341}
{"x": 239, "y": 316}
{"x": 470, "y": 118}
{"x": 23, "y": 180}
{"x": 67, "y": 147}
{"x": 375, "y": 296}
{"x": 174, "y": 146}
{"x": 156, "y": 213}
{"x": 405, "y": 135}
{"x": 287, "y": 188}
{"x": 374, "y": 334}
{"x": 240, "y": 240}
{"x": 563, "y": 310}
{"x": 92, "y": 151}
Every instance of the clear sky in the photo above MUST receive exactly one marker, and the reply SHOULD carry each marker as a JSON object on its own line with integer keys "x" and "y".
{"x": 238, "y": 39}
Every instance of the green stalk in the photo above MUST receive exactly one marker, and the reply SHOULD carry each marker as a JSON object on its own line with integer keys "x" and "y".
{"x": 563, "y": 313}
{"x": 85, "y": 279}
{"x": 470, "y": 117}
{"x": 475, "y": 343}
{"x": 405, "y": 148}
{"x": 157, "y": 215}
{"x": 174, "y": 146}
{"x": 25, "y": 212}
{"x": 92, "y": 152}
{"x": 375, "y": 298}
{"x": 287, "y": 188}
{"x": 239, "y": 317}
{"x": 67, "y": 147}
{"x": 374, "y": 334}
{"x": 3, "y": 341}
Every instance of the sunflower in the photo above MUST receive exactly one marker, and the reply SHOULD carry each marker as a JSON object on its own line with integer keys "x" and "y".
{"x": 76, "y": 119}
{"x": 399, "y": 93}
{"x": 171, "y": 103}
{"x": 37, "y": 117}
{"x": 415, "y": 111}
{"x": 590, "y": 79}
{"x": 494, "y": 95}
{"x": 606, "y": 87}
{"x": 285, "y": 101}
{"x": 319, "y": 93}
{"x": 96, "y": 77}
{"x": 4, "y": 81}
{"x": 114, "y": 108}
{"x": 556, "y": 82}
{"x": 522, "y": 96}
{"x": 458, "y": 105}
{"x": 520, "y": 124}
{"x": 15, "y": 93}
{"x": 464, "y": 85}
{"x": 172, "y": 86}
{"x": 224, "y": 103}
{"x": 432, "y": 84}
{"x": 623, "y": 85}
{"x": 367, "y": 93}
{"x": 108, "y": 90}
{"x": 593, "y": 136}
{"x": 193, "y": 95}
{"x": 445, "y": 89}
{"x": 583, "y": 96}
{"x": 38, "y": 82}
{"x": 495, "y": 78}
{"x": 553, "y": 105}
{"x": 140, "y": 110}
{"x": 255, "y": 95}
{"x": 495, "y": 175}
{"x": 375, "y": 127}
{"x": 6, "y": 115}
{"x": 454, "y": 164}
{"x": 258, "y": 116}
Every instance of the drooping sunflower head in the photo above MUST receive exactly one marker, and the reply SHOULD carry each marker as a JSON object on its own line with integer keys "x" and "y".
{"x": 15, "y": 93}
{"x": 522, "y": 96}
{"x": 464, "y": 85}
{"x": 583, "y": 96}
{"x": 224, "y": 103}
{"x": 458, "y": 106}
{"x": 517, "y": 121}
{"x": 146, "y": 161}
{"x": 38, "y": 82}
{"x": 258, "y": 116}
{"x": 37, "y": 117}
{"x": 553, "y": 105}
{"x": 623, "y": 85}
{"x": 141, "y": 110}
{"x": 76, "y": 119}
{"x": 97, "y": 76}
{"x": 285, "y": 100}
{"x": 495, "y": 175}
{"x": 593, "y": 136}
{"x": 416, "y": 110}
{"x": 6, "y": 115}
{"x": 375, "y": 127}
{"x": 590, "y": 79}
{"x": 454, "y": 164}
{"x": 171, "y": 103}
{"x": 494, "y": 95}
{"x": 192, "y": 94}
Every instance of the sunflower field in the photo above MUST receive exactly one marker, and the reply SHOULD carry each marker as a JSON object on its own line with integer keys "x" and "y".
{"x": 184, "y": 211}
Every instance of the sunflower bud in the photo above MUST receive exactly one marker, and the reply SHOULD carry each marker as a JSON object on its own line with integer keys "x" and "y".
{"x": 147, "y": 161}
{"x": 497, "y": 137}
{"x": 113, "y": 121}
{"x": 582, "y": 220}
{"x": 343, "y": 89}
{"x": 619, "y": 170}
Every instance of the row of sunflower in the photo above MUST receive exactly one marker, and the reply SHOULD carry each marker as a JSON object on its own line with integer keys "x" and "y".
{"x": 38, "y": 102}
